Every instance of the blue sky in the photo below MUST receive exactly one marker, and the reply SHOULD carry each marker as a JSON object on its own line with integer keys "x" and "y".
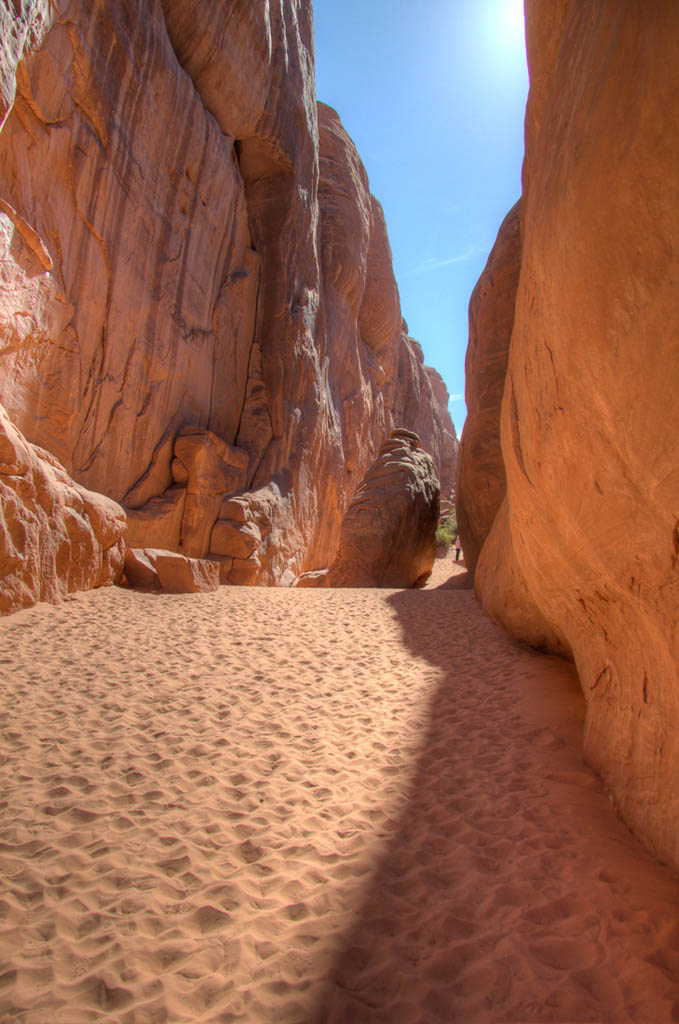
{"x": 433, "y": 94}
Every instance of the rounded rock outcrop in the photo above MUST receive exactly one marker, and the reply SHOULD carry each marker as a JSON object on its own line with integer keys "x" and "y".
{"x": 388, "y": 533}
{"x": 56, "y": 537}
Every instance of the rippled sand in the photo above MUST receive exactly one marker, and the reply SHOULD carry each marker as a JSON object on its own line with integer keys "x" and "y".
{"x": 268, "y": 805}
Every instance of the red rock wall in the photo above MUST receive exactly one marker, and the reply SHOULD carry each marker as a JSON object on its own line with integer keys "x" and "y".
{"x": 481, "y": 483}
{"x": 587, "y": 546}
{"x": 177, "y": 254}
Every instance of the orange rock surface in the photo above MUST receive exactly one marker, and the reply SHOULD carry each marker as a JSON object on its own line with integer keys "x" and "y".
{"x": 170, "y": 572}
{"x": 388, "y": 535}
{"x": 481, "y": 483}
{"x": 189, "y": 247}
{"x": 56, "y": 537}
{"x": 584, "y": 553}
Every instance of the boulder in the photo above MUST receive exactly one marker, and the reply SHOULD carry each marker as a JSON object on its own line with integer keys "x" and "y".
{"x": 170, "y": 572}
{"x": 388, "y": 535}
{"x": 56, "y": 537}
{"x": 140, "y": 571}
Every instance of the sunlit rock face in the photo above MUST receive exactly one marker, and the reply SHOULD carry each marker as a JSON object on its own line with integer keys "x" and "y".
{"x": 481, "y": 481}
{"x": 142, "y": 322}
{"x": 589, "y": 535}
{"x": 189, "y": 248}
{"x": 56, "y": 537}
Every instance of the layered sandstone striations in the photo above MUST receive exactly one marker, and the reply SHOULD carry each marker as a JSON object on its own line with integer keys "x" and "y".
{"x": 388, "y": 535}
{"x": 56, "y": 537}
{"x": 586, "y": 545}
{"x": 189, "y": 248}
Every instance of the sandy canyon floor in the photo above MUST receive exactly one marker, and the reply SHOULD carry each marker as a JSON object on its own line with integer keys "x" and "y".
{"x": 309, "y": 806}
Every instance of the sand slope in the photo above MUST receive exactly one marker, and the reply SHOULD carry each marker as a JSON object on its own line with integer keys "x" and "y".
{"x": 305, "y": 806}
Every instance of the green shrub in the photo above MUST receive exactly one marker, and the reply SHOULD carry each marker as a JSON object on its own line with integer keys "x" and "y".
{"x": 446, "y": 532}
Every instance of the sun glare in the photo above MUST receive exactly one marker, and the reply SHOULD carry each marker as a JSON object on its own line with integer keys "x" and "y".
{"x": 503, "y": 26}
{"x": 504, "y": 21}
{"x": 513, "y": 16}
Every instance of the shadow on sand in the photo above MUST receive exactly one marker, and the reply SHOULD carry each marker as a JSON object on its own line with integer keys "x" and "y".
{"x": 458, "y": 581}
{"x": 509, "y": 891}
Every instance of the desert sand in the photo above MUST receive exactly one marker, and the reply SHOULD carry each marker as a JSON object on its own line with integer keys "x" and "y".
{"x": 303, "y": 806}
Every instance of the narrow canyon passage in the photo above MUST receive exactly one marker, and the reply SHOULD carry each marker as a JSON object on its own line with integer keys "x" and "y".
{"x": 306, "y": 806}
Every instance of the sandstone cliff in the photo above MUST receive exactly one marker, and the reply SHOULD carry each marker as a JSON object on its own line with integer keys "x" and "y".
{"x": 583, "y": 553}
{"x": 190, "y": 250}
{"x": 481, "y": 483}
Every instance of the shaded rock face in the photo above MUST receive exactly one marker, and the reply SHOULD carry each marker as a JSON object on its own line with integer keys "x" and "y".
{"x": 481, "y": 481}
{"x": 388, "y": 536}
{"x": 56, "y": 537}
{"x": 588, "y": 537}
{"x": 188, "y": 244}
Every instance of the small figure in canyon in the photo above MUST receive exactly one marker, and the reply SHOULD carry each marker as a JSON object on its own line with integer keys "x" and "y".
{"x": 458, "y": 548}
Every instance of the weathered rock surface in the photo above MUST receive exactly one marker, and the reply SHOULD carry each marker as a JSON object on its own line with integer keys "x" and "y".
{"x": 388, "y": 536}
{"x": 211, "y": 469}
{"x": 22, "y": 25}
{"x": 110, "y": 157}
{"x": 56, "y": 537}
{"x": 188, "y": 246}
{"x": 481, "y": 481}
{"x": 154, "y": 569}
{"x": 157, "y": 524}
{"x": 421, "y": 402}
{"x": 588, "y": 539}
{"x": 506, "y": 596}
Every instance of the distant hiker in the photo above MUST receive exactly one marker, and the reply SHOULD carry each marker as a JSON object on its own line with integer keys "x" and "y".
{"x": 458, "y": 548}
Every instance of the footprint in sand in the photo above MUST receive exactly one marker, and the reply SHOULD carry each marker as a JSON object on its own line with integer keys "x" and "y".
{"x": 395, "y": 825}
